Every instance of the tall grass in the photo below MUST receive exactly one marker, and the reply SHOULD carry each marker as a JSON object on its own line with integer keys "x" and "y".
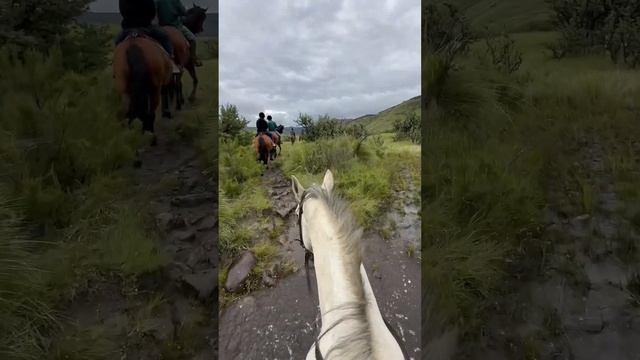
{"x": 69, "y": 214}
{"x": 496, "y": 147}
{"x": 365, "y": 176}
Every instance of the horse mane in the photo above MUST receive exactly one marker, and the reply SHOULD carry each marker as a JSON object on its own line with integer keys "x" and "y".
{"x": 358, "y": 344}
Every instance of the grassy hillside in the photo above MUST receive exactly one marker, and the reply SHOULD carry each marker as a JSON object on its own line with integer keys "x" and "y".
{"x": 383, "y": 121}
{"x": 514, "y": 15}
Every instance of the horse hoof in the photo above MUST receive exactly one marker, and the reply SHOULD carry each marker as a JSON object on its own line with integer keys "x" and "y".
{"x": 166, "y": 115}
{"x": 192, "y": 99}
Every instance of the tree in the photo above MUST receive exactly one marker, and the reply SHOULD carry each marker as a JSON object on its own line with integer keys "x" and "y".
{"x": 38, "y": 22}
{"x": 231, "y": 123}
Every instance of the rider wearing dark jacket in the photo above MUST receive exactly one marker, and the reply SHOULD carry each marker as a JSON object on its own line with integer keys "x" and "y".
{"x": 139, "y": 14}
{"x": 261, "y": 124}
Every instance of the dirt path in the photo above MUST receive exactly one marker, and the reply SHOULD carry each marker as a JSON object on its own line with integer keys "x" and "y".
{"x": 277, "y": 322}
{"x": 580, "y": 307}
{"x": 170, "y": 314}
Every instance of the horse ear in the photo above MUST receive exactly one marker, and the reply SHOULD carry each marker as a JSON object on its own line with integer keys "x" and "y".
{"x": 297, "y": 188}
{"x": 327, "y": 183}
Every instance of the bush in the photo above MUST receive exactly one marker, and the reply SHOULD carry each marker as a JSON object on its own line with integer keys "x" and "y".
{"x": 409, "y": 128}
{"x": 503, "y": 54}
{"x": 231, "y": 123}
{"x": 587, "y": 26}
{"x": 324, "y": 128}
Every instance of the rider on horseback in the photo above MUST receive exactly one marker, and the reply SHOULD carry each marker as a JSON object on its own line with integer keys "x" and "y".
{"x": 140, "y": 15}
{"x": 170, "y": 13}
{"x": 262, "y": 126}
{"x": 271, "y": 124}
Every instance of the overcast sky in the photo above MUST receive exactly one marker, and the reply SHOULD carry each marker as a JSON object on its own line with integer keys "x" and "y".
{"x": 112, "y": 5}
{"x": 345, "y": 58}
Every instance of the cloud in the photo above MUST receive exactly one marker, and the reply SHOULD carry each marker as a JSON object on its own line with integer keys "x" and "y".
{"x": 342, "y": 58}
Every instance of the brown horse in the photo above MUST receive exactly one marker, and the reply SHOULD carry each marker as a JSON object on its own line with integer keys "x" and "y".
{"x": 277, "y": 140}
{"x": 292, "y": 137}
{"x": 194, "y": 22}
{"x": 142, "y": 71}
{"x": 264, "y": 148}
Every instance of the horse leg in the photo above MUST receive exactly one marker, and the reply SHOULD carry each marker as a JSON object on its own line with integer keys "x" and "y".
{"x": 192, "y": 72}
{"x": 178, "y": 91}
{"x": 166, "y": 112}
{"x": 148, "y": 124}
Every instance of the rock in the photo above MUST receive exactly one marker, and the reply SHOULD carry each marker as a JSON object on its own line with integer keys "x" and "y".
{"x": 183, "y": 235}
{"x": 177, "y": 269}
{"x": 193, "y": 200}
{"x": 268, "y": 281}
{"x": 196, "y": 257}
{"x": 206, "y": 223}
{"x": 274, "y": 270}
{"x": 203, "y": 282}
{"x": 239, "y": 271}
{"x": 285, "y": 208}
{"x": 591, "y": 324}
{"x": 168, "y": 221}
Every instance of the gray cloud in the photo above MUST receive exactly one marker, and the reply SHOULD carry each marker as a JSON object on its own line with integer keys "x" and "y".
{"x": 112, "y": 5}
{"x": 344, "y": 58}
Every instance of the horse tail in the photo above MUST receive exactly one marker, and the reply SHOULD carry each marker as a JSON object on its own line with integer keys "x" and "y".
{"x": 140, "y": 84}
{"x": 262, "y": 150}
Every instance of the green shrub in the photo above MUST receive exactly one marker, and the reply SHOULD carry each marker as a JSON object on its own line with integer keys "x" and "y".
{"x": 409, "y": 128}
{"x": 231, "y": 123}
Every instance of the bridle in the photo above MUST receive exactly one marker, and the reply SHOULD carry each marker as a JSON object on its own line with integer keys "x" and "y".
{"x": 308, "y": 256}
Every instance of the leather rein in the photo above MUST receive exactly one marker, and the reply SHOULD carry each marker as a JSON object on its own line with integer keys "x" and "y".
{"x": 308, "y": 256}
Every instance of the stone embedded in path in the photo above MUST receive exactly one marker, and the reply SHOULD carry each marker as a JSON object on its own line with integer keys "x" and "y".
{"x": 285, "y": 208}
{"x": 169, "y": 221}
{"x": 590, "y": 324}
{"x": 203, "y": 282}
{"x": 239, "y": 271}
{"x": 182, "y": 235}
{"x": 197, "y": 256}
{"x": 193, "y": 200}
{"x": 206, "y": 223}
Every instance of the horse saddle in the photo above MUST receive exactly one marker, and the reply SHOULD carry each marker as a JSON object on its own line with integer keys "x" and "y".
{"x": 142, "y": 33}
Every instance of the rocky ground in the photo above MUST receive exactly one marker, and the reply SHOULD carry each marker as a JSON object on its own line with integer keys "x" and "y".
{"x": 170, "y": 314}
{"x": 276, "y": 322}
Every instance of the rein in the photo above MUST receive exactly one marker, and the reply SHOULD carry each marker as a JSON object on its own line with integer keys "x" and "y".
{"x": 308, "y": 256}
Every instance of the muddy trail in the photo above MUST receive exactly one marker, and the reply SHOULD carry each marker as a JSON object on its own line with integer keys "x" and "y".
{"x": 277, "y": 321}
{"x": 581, "y": 306}
{"x": 169, "y": 314}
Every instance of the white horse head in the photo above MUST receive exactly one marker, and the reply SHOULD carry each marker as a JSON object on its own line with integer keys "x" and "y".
{"x": 352, "y": 325}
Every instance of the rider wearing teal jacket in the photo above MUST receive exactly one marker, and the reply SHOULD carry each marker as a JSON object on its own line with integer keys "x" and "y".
{"x": 170, "y": 13}
{"x": 271, "y": 124}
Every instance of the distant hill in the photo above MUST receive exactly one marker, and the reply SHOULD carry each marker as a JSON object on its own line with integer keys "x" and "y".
{"x": 103, "y": 18}
{"x": 512, "y": 15}
{"x": 383, "y": 121}
{"x": 376, "y": 123}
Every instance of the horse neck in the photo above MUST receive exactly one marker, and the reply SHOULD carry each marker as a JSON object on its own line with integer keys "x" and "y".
{"x": 340, "y": 289}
